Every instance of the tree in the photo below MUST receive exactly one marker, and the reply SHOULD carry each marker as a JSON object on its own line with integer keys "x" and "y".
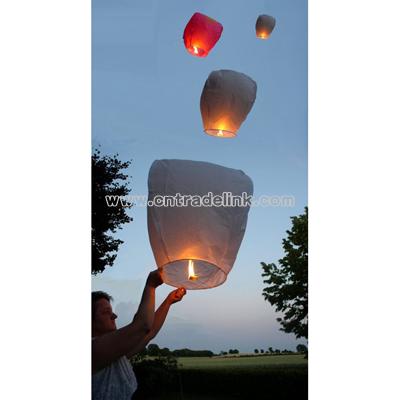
{"x": 270, "y": 349}
{"x": 153, "y": 350}
{"x": 262, "y": 351}
{"x": 192, "y": 353}
{"x": 256, "y": 351}
{"x": 287, "y": 284}
{"x": 108, "y": 179}
{"x": 301, "y": 348}
{"x": 165, "y": 352}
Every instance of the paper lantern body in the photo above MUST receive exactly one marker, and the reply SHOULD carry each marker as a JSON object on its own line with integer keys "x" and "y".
{"x": 201, "y": 34}
{"x": 227, "y": 98}
{"x": 207, "y": 238}
{"x": 264, "y": 26}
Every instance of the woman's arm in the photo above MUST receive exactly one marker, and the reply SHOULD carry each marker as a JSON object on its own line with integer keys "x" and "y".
{"x": 111, "y": 346}
{"x": 159, "y": 319}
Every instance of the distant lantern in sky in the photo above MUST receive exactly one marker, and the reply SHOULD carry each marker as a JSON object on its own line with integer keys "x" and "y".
{"x": 227, "y": 98}
{"x": 196, "y": 243}
{"x": 264, "y": 26}
{"x": 201, "y": 34}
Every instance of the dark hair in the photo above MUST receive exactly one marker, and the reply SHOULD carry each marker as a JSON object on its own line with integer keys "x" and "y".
{"x": 97, "y": 296}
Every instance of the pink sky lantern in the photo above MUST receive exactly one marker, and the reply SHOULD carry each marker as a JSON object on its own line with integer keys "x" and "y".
{"x": 196, "y": 244}
{"x": 201, "y": 34}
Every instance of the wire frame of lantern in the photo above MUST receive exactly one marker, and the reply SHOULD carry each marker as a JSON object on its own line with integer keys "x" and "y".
{"x": 201, "y": 34}
{"x": 264, "y": 26}
{"x": 225, "y": 102}
{"x": 196, "y": 245}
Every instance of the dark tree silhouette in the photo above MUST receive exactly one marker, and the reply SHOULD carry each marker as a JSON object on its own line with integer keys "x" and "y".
{"x": 287, "y": 284}
{"x": 165, "y": 352}
{"x": 153, "y": 350}
{"x": 301, "y": 348}
{"x": 108, "y": 179}
{"x": 256, "y": 351}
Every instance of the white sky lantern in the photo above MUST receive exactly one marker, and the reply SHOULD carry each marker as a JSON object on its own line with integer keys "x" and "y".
{"x": 196, "y": 245}
{"x": 227, "y": 98}
{"x": 264, "y": 26}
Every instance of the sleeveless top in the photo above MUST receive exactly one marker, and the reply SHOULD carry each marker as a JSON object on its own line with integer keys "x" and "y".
{"x": 117, "y": 381}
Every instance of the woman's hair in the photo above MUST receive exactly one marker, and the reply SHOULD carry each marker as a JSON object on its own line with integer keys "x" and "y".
{"x": 97, "y": 296}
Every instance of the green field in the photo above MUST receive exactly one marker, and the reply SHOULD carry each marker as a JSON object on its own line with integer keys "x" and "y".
{"x": 280, "y": 377}
{"x": 241, "y": 362}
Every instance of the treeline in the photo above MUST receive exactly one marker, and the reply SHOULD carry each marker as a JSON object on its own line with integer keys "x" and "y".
{"x": 231, "y": 351}
{"x": 300, "y": 348}
{"x": 192, "y": 353}
{"x": 273, "y": 351}
{"x": 153, "y": 350}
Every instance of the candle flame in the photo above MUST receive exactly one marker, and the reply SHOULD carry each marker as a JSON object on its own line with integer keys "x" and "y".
{"x": 220, "y": 133}
{"x": 195, "y": 50}
{"x": 191, "y": 274}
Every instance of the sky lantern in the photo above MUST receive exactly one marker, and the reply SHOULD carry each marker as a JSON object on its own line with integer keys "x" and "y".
{"x": 201, "y": 34}
{"x": 196, "y": 233}
{"x": 227, "y": 98}
{"x": 264, "y": 26}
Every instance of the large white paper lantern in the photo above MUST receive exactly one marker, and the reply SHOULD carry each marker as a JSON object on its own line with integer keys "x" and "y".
{"x": 227, "y": 98}
{"x": 196, "y": 245}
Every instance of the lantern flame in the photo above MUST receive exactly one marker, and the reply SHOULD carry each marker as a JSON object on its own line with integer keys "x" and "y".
{"x": 220, "y": 133}
{"x": 195, "y": 50}
{"x": 191, "y": 274}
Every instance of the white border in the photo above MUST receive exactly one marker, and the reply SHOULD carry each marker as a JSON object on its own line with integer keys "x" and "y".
{"x": 45, "y": 201}
{"x": 354, "y": 199}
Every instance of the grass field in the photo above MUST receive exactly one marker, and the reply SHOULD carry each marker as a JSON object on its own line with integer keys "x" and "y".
{"x": 282, "y": 377}
{"x": 241, "y": 362}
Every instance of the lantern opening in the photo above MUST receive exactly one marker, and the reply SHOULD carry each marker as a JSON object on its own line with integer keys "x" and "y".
{"x": 193, "y": 274}
{"x": 222, "y": 133}
{"x": 197, "y": 51}
{"x": 263, "y": 35}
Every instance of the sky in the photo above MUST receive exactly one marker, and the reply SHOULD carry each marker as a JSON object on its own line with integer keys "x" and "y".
{"x": 145, "y": 106}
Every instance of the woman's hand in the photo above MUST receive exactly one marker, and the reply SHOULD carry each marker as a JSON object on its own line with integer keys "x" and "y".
{"x": 155, "y": 278}
{"x": 176, "y": 295}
